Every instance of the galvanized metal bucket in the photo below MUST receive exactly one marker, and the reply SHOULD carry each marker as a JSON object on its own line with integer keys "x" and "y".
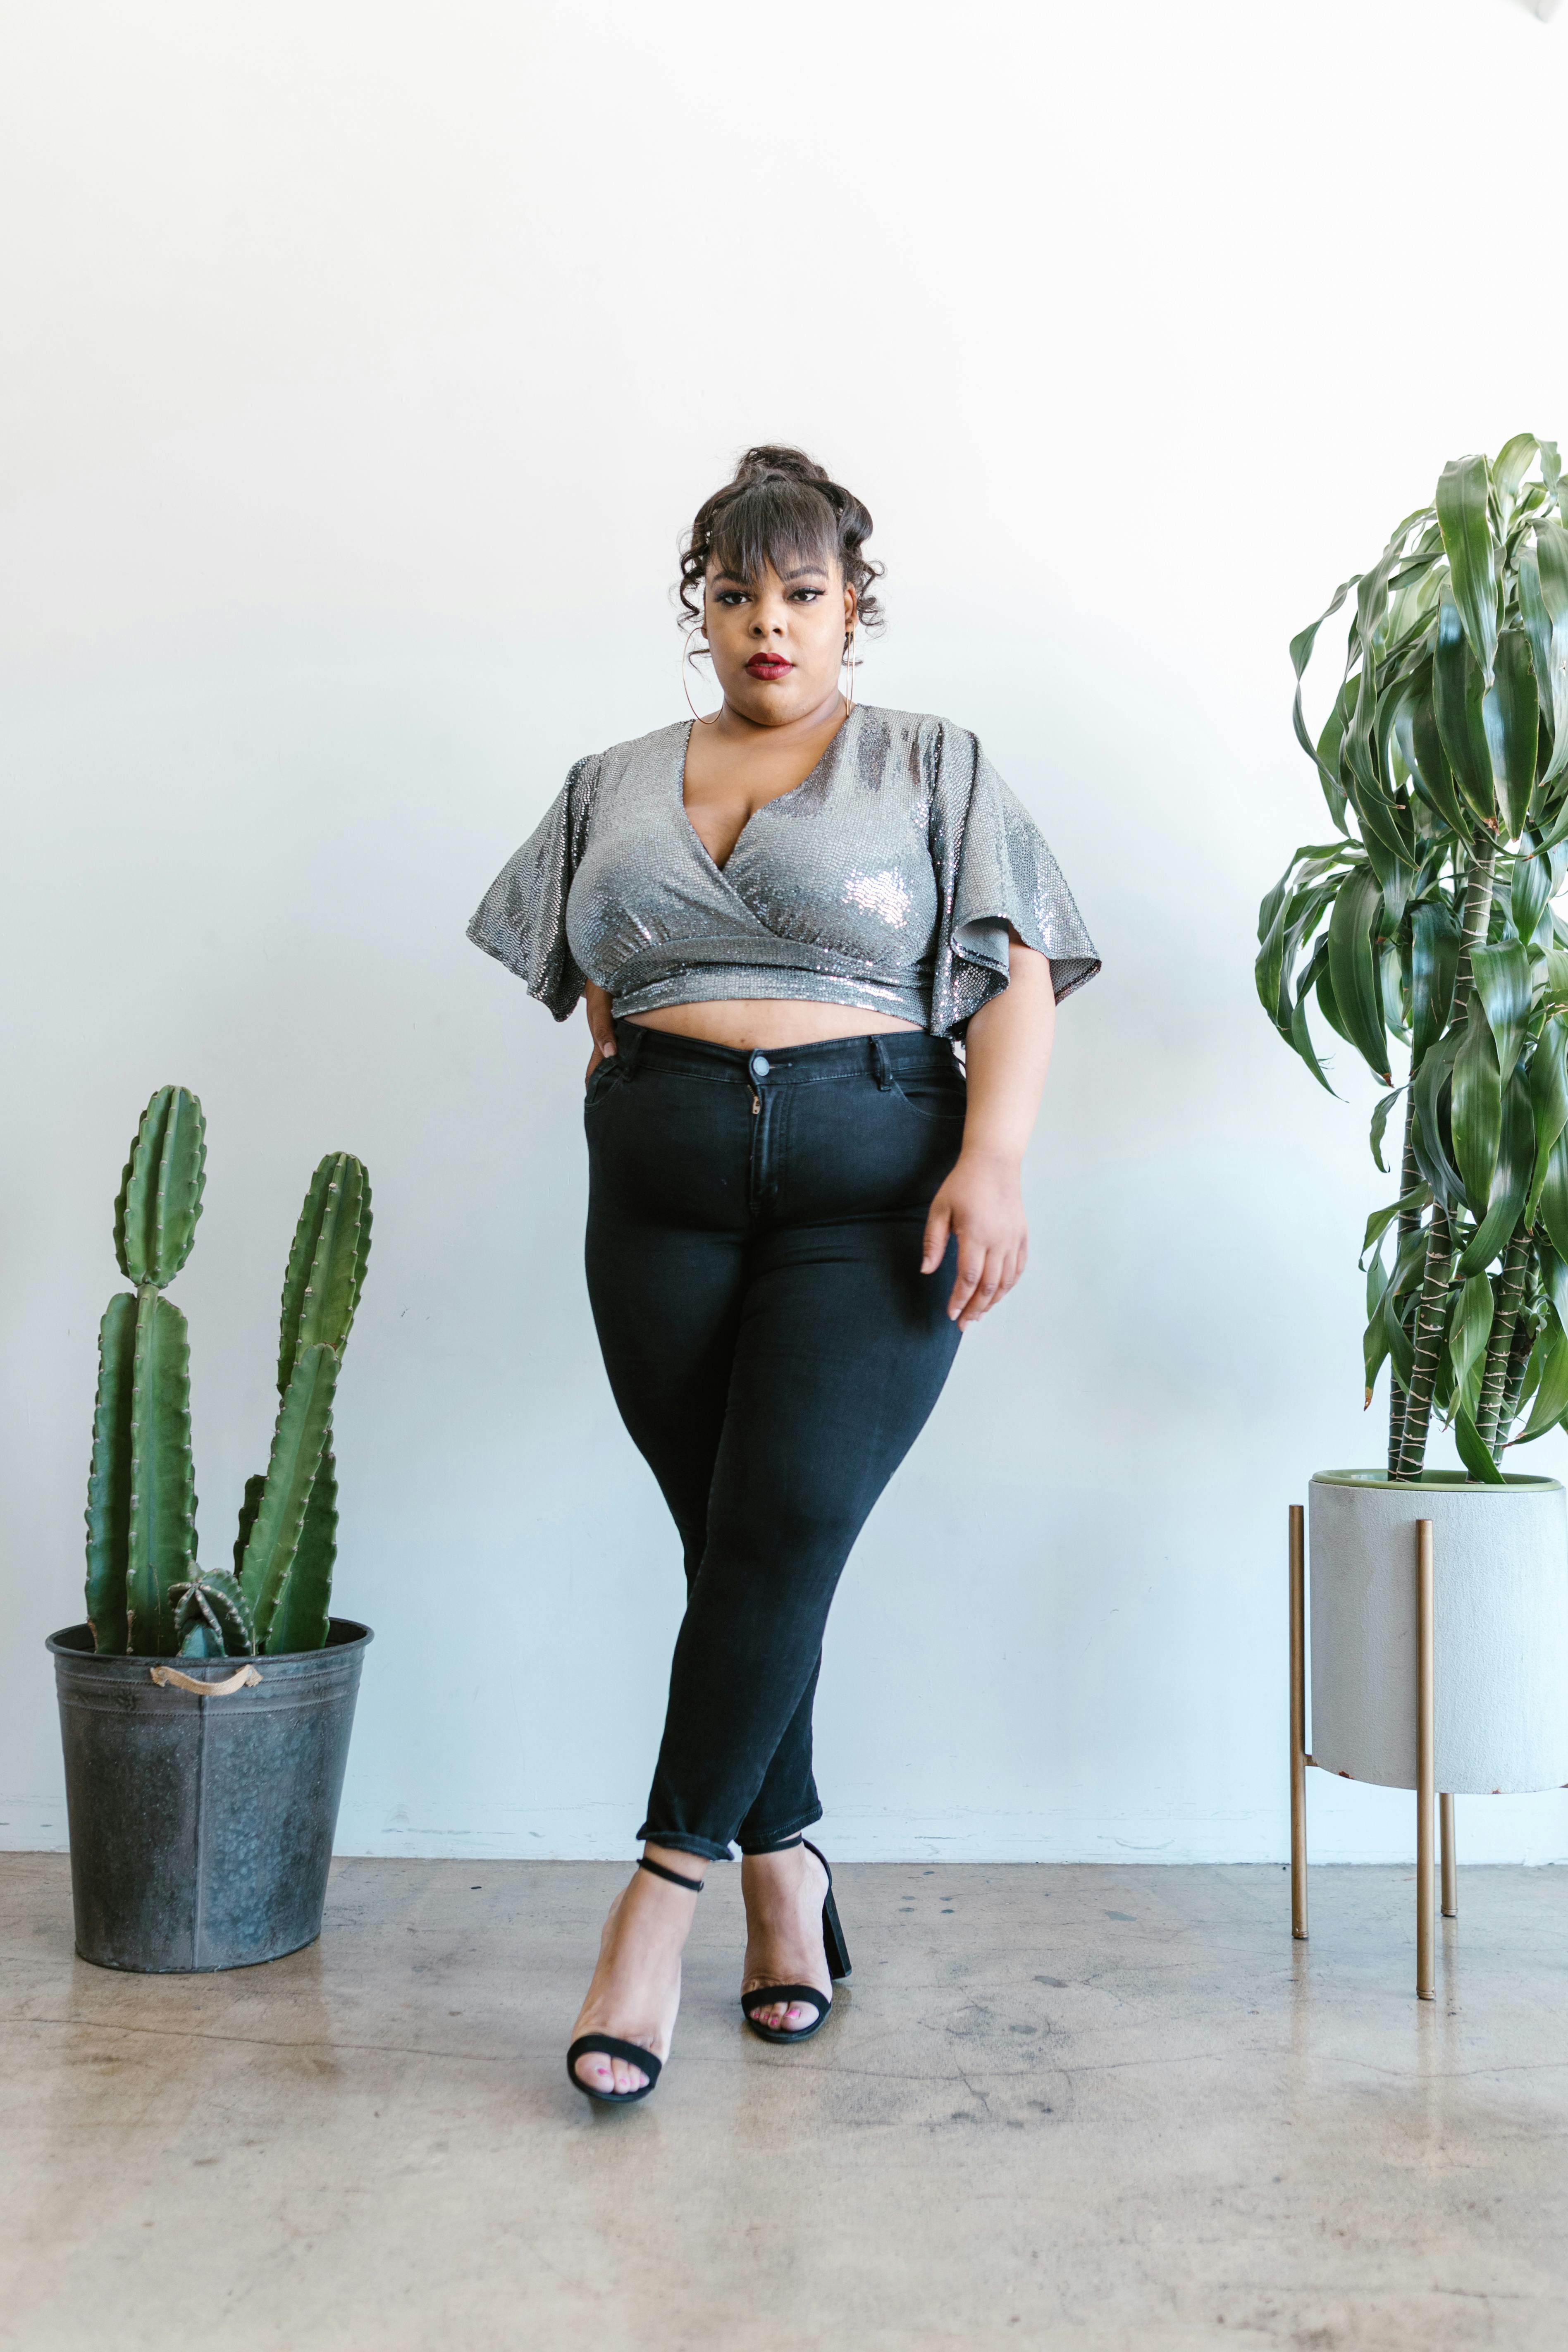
{"x": 202, "y": 1818}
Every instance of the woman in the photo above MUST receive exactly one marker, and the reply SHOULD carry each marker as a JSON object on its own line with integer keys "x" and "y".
{"x": 782, "y": 918}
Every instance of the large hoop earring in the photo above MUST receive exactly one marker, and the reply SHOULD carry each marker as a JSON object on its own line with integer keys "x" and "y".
{"x": 850, "y": 663}
{"x": 686, "y": 652}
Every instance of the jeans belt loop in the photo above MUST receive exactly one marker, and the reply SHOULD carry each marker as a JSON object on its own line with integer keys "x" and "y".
{"x": 629, "y": 1044}
{"x": 882, "y": 1066}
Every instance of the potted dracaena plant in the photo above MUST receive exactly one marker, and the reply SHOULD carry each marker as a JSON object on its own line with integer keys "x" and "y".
{"x": 1424, "y": 935}
{"x": 203, "y": 1794}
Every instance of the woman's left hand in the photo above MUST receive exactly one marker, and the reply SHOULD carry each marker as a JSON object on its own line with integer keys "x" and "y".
{"x": 981, "y": 1206}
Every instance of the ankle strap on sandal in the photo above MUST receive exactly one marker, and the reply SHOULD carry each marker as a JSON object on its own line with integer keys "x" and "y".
{"x": 692, "y": 1885}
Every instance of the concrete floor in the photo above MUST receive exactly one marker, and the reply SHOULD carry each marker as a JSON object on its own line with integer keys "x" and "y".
{"x": 1105, "y": 2109}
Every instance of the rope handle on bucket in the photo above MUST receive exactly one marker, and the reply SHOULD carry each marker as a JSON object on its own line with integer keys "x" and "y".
{"x": 169, "y": 1678}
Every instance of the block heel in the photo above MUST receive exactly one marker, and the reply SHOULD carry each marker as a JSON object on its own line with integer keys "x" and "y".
{"x": 837, "y": 1953}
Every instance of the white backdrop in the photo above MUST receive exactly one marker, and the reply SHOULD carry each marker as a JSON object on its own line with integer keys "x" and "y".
{"x": 363, "y": 364}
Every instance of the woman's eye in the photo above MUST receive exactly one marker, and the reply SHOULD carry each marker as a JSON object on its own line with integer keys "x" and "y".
{"x": 730, "y": 597}
{"x": 807, "y": 595}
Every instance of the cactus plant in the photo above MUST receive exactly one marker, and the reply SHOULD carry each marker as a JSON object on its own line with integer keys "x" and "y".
{"x": 145, "y": 1591}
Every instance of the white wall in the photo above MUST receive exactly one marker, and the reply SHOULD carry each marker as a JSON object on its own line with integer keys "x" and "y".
{"x": 365, "y": 363}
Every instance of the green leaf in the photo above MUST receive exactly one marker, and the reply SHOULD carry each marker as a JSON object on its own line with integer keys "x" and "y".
{"x": 1353, "y": 969}
{"x": 1328, "y": 1005}
{"x": 1459, "y": 695}
{"x": 1510, "y": 1181}
{"x": 161, "y": 1543}
{"x": 1552, "y": 1391}
{"x": 1472, "y": 1449}
{"x": 1549, "y": 573}
{"x": 1553, "y": 1279}
{"x": 1289, "y": 915}
{"x": 1530, "y": 891}
{"x": 1512, "y": 716}
{"x": 1549, "y": 1102}
{"x": 1537, "y": 625}
{"x": 1432, "y": 1144}
{"x": 1379, "y": 1222}
{"x": 1379, "y": 1122}
{"x": 1300, "y": 1037}
{"x": 1330, "y": 744}
{"x": 1385, "y": 828}
{"x": 1462, "y": 502}
{"x": 1373, "y": 1348}
{"x": 1512, "y": 464}
{"x": 1400, "y": 1347}
{"x": 1554, "y": 1197}
{"x": 298, "y": 1441}
{"x": 1391, "y": 982}
{"x": 109, "y": 1481}
{"x": 1420, "y": 746}
{"x": 1477, "y": 1110}
{"x": 1301, "y": 647}
{"x": 1502, "y": 983}
{"x": 1469, "y": 1332}
{"x": 1433, "y": 960}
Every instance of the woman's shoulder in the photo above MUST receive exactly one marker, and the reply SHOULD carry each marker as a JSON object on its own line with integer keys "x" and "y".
{"x": 660, "y": 745}
{"x": 911, "y": 725}
{"x": 938, "y": 755}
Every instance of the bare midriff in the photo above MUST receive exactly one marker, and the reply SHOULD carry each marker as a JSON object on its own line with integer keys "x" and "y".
{"x": 770, "y": 1023}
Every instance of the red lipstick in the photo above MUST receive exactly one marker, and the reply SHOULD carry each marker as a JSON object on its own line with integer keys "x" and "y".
{"x": 768, "y": 666}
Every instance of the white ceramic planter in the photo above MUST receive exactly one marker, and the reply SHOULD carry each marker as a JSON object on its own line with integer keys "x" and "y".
{"x": 1500, "y": 1631}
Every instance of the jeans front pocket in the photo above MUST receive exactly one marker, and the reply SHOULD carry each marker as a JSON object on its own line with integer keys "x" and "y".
{"x": 604, "y": 1082}
{"x": 934, "y": 1093}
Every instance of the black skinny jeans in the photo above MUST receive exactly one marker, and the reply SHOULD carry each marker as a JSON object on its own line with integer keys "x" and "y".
{"x": 754, "y": 1228}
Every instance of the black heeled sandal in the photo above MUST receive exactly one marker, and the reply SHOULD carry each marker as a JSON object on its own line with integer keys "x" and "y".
{"x": 837, "y": 1952}
{"x": 608, "y": 2045}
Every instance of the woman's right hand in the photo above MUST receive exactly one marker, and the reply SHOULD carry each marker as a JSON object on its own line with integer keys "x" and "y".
{"x": 601, "y": 1028}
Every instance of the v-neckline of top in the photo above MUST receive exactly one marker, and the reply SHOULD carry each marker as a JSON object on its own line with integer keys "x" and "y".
{"x": 722, "y": 871}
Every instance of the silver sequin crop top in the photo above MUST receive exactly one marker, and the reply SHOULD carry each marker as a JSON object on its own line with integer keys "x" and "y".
{"x": 886, "y": 880}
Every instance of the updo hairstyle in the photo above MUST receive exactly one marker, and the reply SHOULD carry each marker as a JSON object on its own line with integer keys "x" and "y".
{"x": 782, "y": 509}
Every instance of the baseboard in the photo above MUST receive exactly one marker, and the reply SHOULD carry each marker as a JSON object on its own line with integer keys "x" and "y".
{"x": 1346, "y": 1825}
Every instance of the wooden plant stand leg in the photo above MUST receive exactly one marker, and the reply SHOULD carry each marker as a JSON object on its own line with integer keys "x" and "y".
{"x": 1450, "y": 1859}
{"x": 1425, "y": 1790}
{"x": 1298, "y": 1723}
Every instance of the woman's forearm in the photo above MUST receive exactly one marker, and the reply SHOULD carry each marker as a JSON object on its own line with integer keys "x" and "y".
{"x": 980, "y": 1205}
{"x": 1008, "y": 1051}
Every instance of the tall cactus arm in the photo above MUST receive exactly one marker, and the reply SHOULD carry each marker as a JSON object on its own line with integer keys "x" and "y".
{"x": 213, "y": 1598}
{"x": 161, "y": 1191}
{"x": 300, "y": 1618}
{"x": 108, "y": 1480}
{"x": 326, "y": 1266}
{"x": 254, "y": 1490}
{"x": 162, "y": 1540}
{"x": 298, "y": 1442}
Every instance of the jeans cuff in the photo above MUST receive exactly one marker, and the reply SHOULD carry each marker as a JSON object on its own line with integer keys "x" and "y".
{"x": 681, "y": 1842}
{"x": 776, "y": 1840}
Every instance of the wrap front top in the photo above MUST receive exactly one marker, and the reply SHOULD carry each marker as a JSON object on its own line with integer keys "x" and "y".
{"x": 887, "y": 879}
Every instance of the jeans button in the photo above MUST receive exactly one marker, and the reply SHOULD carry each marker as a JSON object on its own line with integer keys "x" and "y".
{"x": 761, "y": 1065}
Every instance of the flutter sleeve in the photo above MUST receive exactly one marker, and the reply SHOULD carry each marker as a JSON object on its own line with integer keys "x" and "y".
{"x": 521, "y": 918}
{"x": 992, "y": 870}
